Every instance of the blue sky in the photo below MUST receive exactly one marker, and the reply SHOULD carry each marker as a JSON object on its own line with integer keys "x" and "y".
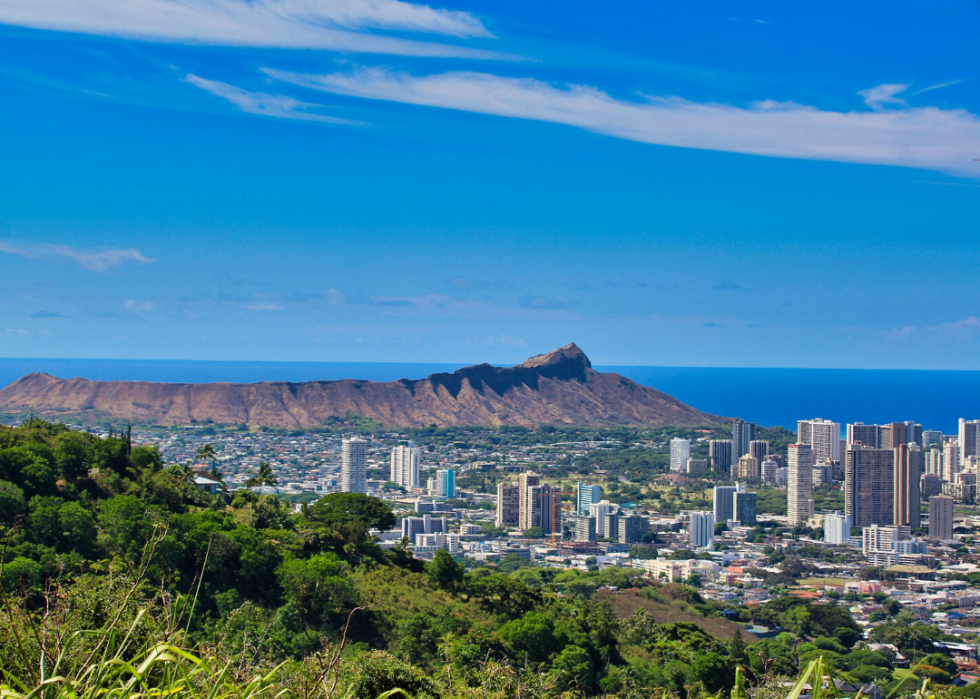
{"x": 787, "y": 184}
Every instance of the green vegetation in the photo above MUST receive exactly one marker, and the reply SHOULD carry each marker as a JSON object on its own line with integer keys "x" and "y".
{"x": 120, "y": 576}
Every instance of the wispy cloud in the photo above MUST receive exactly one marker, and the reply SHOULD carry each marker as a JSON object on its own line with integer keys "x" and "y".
{"x": 279, "y": 106}
{"x": 134, "y": 305}
{"x": 880, "y": 96}
{"x": 963, "y": 329}
{"x": 937, "y": 87}
{"x": 923, "y": 137}
{"x": 290, "y": 24}
{"x": 96, "y": 261}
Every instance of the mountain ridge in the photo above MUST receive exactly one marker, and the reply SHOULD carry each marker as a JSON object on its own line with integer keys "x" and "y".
{"x": 558, "y": 387}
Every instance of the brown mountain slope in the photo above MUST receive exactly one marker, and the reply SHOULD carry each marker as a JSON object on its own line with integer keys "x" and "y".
{"x": 560, "y": 387}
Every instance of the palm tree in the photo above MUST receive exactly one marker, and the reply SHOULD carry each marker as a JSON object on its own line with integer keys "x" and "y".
{"x": 264, "y": 476}
{"x": 215, "y": 474}
{"x": 206, "y": 453}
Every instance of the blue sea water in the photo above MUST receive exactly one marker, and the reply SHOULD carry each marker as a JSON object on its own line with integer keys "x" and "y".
{"x": 764, "y": 396}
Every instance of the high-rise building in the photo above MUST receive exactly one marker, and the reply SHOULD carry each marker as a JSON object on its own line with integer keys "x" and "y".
{"x": 405, "y": 465}
{"x": 508, "y": 505}
{"x": 446, "y": 482}
{"x": 724, "y": 501}
{"x": 747, "y": 468}
{"x": 799, "y": 485}
{"x": 680, "y": 452}
{"x": 879, "y": 538}
{"x": 540, "y": 504}
{"x": 940, "y": 517}
{"x": 353, "y": 465}
{"x": 908, "y": 471}
{"x": 892, "y": 435}
{"x": 585, "y": 495}
{"x": 822, "y": 436}
{"x": 968, "y": 439}
{"x": 720, "y": 454}
{"x": 583, "y": 527}
{"x": 742, "y": 433}
{"x": 767, "y": 470}
{"x": 702, "y": 528}
{"x": 759, "y": 448}
{"x": 930, "y": 437}
{"x": 600, "y": 511}
{"x": 933, "y": 461}
{"x": 930, "y": 484}
{"x": 745, "y": 506}
{"x": 869, "y": 485}
{"x": 697, "y": 467}
{"x": 951, "y": 461}
{"x": 632, "y": 527}
{"x": 836, "y": 528}
{"x": 868, "y": 435}
{"x": 526, "y": 481}
{"x": 913, "y": 432}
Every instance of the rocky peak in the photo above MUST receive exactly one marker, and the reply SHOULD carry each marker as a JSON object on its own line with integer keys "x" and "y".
{"x": 571, "y": 356}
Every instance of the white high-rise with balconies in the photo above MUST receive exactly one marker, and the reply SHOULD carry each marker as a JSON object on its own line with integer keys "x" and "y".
{"x": 822, "y": 436}
{"x": 680, "y": 452}
{"x": 968, "y": 437}
{"x": 353, "y": 465}
{"x": 702, "y": 528}
{"x": 405, "y": 465}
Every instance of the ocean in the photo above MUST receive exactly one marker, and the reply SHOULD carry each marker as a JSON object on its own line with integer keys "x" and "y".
{"x": 766, "y": 397}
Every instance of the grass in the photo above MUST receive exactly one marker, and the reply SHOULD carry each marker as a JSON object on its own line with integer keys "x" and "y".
{"x": 625, "y": 602}
{"x": 820, "y": 582}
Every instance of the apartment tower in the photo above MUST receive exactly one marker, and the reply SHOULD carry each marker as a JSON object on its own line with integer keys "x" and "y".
{"x": 869, "y": 485}
{"x": 799, "y": 483}
{"x": 353, "y": 465}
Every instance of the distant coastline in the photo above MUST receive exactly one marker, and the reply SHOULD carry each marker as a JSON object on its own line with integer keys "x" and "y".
{"x": 765, "y": 396}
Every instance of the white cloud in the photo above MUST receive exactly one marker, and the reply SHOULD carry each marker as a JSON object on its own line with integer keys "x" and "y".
{"x": 292, "y": 24}
{"x": 133, "y": 305}
{"x": 963, "y": 329}
{"x": 279, "y": 106}
{"x": 880, "y": 95}
{"x": 938, "y": 87}
{"x": 100, "y": 261}
{"x": 922, "y": 137}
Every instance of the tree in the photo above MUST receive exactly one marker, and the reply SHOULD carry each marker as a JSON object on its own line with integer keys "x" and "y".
{"x": 573, "y": 669}
{"x": 736, "y": 648}
{"x": 444, "y": 570}
{"x": 714, "y": 670}
{"x": 12, "y": 502}
{"x": 206, "y": 453}
{"x": 348, "y": 508}
{"x": 263, "y": 476}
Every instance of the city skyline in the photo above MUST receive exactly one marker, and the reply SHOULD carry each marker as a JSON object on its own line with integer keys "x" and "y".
{"x": 477, "y": 182}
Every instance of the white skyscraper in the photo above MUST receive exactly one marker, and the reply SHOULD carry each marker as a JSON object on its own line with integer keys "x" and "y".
{"x": 599, "y": 510}
{"x": 405, "y": 466}
{"x": 353, "y": 465}
{"x": 799, "y": 485}
{"x": 822, "y": 436}
{"x": 702, "y": 526}
{"x": 968, "y": 439}
{"x": 680, "y": 452}
{"x": 836, "y": 528}
{"x": 951, "y": 461}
